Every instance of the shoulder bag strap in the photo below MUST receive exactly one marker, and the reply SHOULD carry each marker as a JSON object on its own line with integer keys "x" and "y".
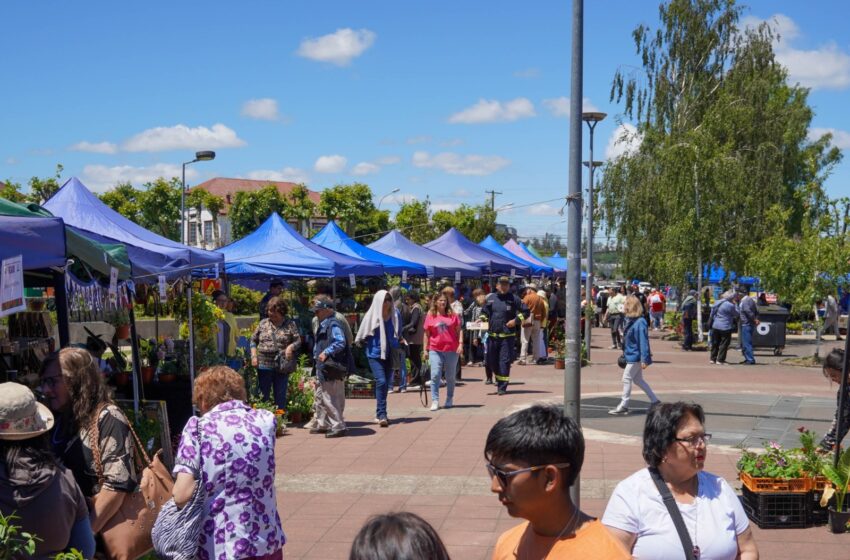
{"x": 94, "y": 443}
{"x": 675, "y": 514}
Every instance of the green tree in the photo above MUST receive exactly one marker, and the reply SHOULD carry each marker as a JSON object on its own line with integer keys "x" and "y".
{"x": 215, "y": 204}
{"x": 353, "y": 208}
{"x": 251, "y": 208}
{"x": 42, "y": 189}
{"x": 413, "y": 221}
{"x": 723, "y": 137}
{"x": 299, "y": 207}
{"x": 12, "y": 191}
{"x": 124, "y": 198}
{"x": 159, "y": 207}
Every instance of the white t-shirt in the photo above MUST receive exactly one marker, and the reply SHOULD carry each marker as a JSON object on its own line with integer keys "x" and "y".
{"x": 714, "y": 520}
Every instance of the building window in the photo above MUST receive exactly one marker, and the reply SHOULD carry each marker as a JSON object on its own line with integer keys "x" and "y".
{"x": 208, "y": 232}
{"x": 193, "y": 233}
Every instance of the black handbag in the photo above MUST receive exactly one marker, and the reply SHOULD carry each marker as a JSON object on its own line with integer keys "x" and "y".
{"x": 282, "y": 364}
{"x": 621, "y": 359}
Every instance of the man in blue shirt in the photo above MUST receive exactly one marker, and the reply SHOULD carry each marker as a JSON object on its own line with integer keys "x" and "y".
{"x": 749, "y": 317}
{"x": 332, "y": 355}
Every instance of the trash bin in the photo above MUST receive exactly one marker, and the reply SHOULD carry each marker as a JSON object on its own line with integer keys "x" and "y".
{"x": 770, "y": 332}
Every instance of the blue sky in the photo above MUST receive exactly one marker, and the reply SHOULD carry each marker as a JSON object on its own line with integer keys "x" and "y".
{"x": 439, "y": 99}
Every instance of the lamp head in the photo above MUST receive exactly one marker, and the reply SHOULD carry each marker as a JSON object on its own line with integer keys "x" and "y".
{"x": 593, "y": 116}
{"x": 205, "y": 155}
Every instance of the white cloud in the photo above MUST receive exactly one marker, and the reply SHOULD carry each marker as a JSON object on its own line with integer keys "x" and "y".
{"x": 388, "y": 160}
{"x": 100, "y": 178}
{"x": 451, "y": 143}
{"x": 462, "y": 193}
{"x": 181, "y": 137}
{"x": 423, "y": 139}
{"x": 840, "y": 138}
{"x": 400, "y": 198}
{"x": 625, "y": 139}
{"x": 338, "y": 48}
{"x": 11, "y": 160}
{"x": 365, "y": 168}
{"x": 447, "y": 206}
{"x": 826, "y": 67}
{"x": 560, "y": 106}
{"x": 491, "y": 111}
{"x": 264, "y": 109}
{"x": 456, "y": 164}
{"x": 542, "y": 210}
{"x": 95, "y": 148}
{"x": 287, "y": 174}
{"x": 330, "y": 164}
{"x": 527, "y": 73}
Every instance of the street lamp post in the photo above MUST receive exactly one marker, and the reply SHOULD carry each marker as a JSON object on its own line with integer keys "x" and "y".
{"x": 381, "y": 200}
{"x": 592, "y": 118}
{"x": 205, "y": 155}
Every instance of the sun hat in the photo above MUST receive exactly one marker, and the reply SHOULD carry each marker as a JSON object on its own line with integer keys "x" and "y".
{"x": 21, "y": 416}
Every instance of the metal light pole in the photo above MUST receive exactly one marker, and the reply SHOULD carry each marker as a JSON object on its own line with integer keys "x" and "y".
{"x": 592, "y": 118}
{"x": 572, "y": 327}
{"x": 380, "y": 200}
{"x": 205, "y": 155}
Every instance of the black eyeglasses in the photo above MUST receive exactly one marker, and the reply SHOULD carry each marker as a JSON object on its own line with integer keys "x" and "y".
{"x": 693, "y": 441}
{"x": 503, "y": 476}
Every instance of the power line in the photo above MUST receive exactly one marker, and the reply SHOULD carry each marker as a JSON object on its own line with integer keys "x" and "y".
{"x": 492, "y": 199}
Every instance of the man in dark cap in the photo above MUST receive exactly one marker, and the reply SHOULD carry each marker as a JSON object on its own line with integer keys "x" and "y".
{"x": 689, "y": 313}
{"x": 504, "y": 312}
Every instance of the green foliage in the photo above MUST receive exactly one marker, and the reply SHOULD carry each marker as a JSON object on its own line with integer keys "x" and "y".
{"x": 42, "y": 189}
{"x": 124, "y": 199}
{"x": 251, "y": 208}
{"x": 300, "y": 393}
{"x": 774, "y": 463}
{"x": 118, "y": 317}
{"x": 148, "y": 429}
{"x": 15, "y": 543}
{"x": 413, "y": 220}
{"x": 298, "y": 206}
{"x": 353, "y": 208}
{"x": 475, "y": 222}
{"x": 551, "y": 243}
{"x": 12, "y": 191}
{"x": 724, "y": 137}
{"x": 160, "y": 207}
{"x": 246, "y": 301}
{"x": 839, "y": 477}
{"x": 74, "y": 554}
{"x": 205, "y": 318}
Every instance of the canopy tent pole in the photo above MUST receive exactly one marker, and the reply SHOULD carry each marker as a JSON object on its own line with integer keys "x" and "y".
{"x": 134, "y": 349}
{"x": 61, "y": 298}
{"x": 191, "y": 339}
{"x": 156, "y": 317}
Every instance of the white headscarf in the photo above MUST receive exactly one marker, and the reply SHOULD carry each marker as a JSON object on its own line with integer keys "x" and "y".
{"x": 374, "y": 319}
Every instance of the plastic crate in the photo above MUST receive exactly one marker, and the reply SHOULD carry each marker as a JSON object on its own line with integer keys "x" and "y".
{"x": 359, "y": 391}
{"x": 819, "y": 515}
{"x": 784, "y": 485}
{"x": 778, "y": 510}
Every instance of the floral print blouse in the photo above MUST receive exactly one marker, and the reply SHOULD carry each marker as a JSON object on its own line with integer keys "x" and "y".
{"x": 270, "y": 339}
{"x": 235, "y": 462}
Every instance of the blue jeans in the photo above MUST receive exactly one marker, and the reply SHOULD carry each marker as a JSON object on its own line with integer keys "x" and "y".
{"x": 402, "y": 373}
{"x": 747, "y": 342}
{"x": 440, "y": 362}
{"x": 381, "y": 370}
{"x": 266, "y": 379}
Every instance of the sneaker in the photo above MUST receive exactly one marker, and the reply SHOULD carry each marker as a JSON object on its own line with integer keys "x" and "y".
{"x": 435, "y": 406}
{"x": 619, "y": 411}
{"x": 712, "y": 362}
{"x": 403, "y": 390}
{"x": 520, "y": 362}
{"x": 335, "y": 433}
{"x": 470, "y": 364}
{"x": 318, "y": 430}
{"x": 614, "y": 347}
{"x": 384, "y": 422}
{"x": 396, "y": 390}
{"x": 488, "y": 381}
{"x": 428, "y": 383}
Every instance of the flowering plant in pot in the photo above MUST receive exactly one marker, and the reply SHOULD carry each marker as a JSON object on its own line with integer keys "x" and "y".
{"x": 300, "y": 392}
{"x": 839, "y": 478}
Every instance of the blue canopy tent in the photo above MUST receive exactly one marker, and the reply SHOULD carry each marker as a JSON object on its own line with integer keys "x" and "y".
{"x": 436, "y": 264}
{"x": 495, "y": 247}
{"x": 516, "y": 249}
{"x": 454, "y": 244}
{"x": 334, "y": 238}
{"x": 276, "y": 250}
{"x": 150, "y": 254}
{"x": 560, "y": 265}
{"x": 41, "y": 241}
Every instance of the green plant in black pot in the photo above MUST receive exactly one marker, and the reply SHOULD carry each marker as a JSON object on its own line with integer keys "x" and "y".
{"x": 839, "y": 477}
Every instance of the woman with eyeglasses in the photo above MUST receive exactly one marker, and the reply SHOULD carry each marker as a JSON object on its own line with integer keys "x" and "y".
{"x": 715, "y": 525}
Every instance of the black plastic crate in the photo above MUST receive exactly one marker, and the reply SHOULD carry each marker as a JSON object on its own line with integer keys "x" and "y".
{"x": 819, "y": 515}
{"x": 774, "y": 510}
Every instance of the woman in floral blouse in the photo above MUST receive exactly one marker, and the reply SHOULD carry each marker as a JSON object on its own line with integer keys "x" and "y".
{"x": 230, "y": 449}
{"x": 275, "y": 334}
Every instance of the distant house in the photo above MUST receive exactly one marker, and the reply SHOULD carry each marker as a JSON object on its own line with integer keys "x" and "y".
{"x": 200, "y": 231}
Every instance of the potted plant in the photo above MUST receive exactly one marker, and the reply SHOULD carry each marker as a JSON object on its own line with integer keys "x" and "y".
{"x": 300, "y": 394}
{"x": 168, "y": 371}
{"x": 120, "y": 319}
{"x": 148, "y": 355}
{"x": 14, "y": 542}
{"x": 279, "y": 414}
{"x": 558, "y": 343}
{"x": 839, "y": 478}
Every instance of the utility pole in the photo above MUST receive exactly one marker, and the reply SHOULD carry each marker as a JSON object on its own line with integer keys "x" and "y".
{"x": 492, "y": 199}
{"x": 572, "y": 327}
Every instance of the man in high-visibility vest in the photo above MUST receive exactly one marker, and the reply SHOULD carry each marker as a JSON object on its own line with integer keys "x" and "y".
{"x": 504, "y": 312}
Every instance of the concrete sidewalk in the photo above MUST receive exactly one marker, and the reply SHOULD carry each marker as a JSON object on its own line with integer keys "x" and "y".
{"x": 431, "y": 463}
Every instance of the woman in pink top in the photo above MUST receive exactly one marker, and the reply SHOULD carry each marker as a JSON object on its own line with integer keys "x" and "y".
{"x": 442, "y": 346}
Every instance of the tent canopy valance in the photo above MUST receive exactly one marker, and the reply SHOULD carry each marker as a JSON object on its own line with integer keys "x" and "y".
{"x": 457, "y": 246}
{"x": 276, "y": 250}
{"x": 334, "y": 238}
{"x": 150, "y": 254}
{"x": 436, "y": 264}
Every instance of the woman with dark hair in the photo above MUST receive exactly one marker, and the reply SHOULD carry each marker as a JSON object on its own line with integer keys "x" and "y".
{"x": 637, "y": 354}
{"x": 832, "y": 367}
{"x": 230, "y": 449}
{"x": 414, "y": 334}
{"x": 675, "y": 448}
{"x": 443, "y": 346}
{"x": 397, "y": 536}
{"x": 33, "y": 486}
{"x": 276, "y": 335}
{"x": 77, "y": 395}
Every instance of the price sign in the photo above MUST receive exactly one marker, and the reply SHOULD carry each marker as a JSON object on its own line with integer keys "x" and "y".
{"x": 163, "y": 287}
{"x": 113, "y": 284}
{"x": 404, "y": 276}
{"x": 352, "y": 280}
{"x": 12, "y": 286}
{"x": 457, "y": 277}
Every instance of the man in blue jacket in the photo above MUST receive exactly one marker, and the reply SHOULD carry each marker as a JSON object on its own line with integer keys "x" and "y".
{"x": 749, "y": 313}
{"x": 724, "y": 313}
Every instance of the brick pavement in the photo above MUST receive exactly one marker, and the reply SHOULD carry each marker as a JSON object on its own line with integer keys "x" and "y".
{"x": 432, "y": 463}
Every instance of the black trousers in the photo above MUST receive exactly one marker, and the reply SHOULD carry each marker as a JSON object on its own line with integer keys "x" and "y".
{"x": 500, "y": 353}
{"x": 720, "y": 344}
{"x": 416, "y": 364}
{"x": 688, "y": 328}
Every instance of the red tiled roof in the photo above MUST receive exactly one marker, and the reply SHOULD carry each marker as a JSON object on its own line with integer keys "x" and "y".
{"x": 226, "y": 188}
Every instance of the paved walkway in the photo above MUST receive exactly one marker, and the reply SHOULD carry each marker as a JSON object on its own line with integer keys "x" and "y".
{"x": 432, "y": 463}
